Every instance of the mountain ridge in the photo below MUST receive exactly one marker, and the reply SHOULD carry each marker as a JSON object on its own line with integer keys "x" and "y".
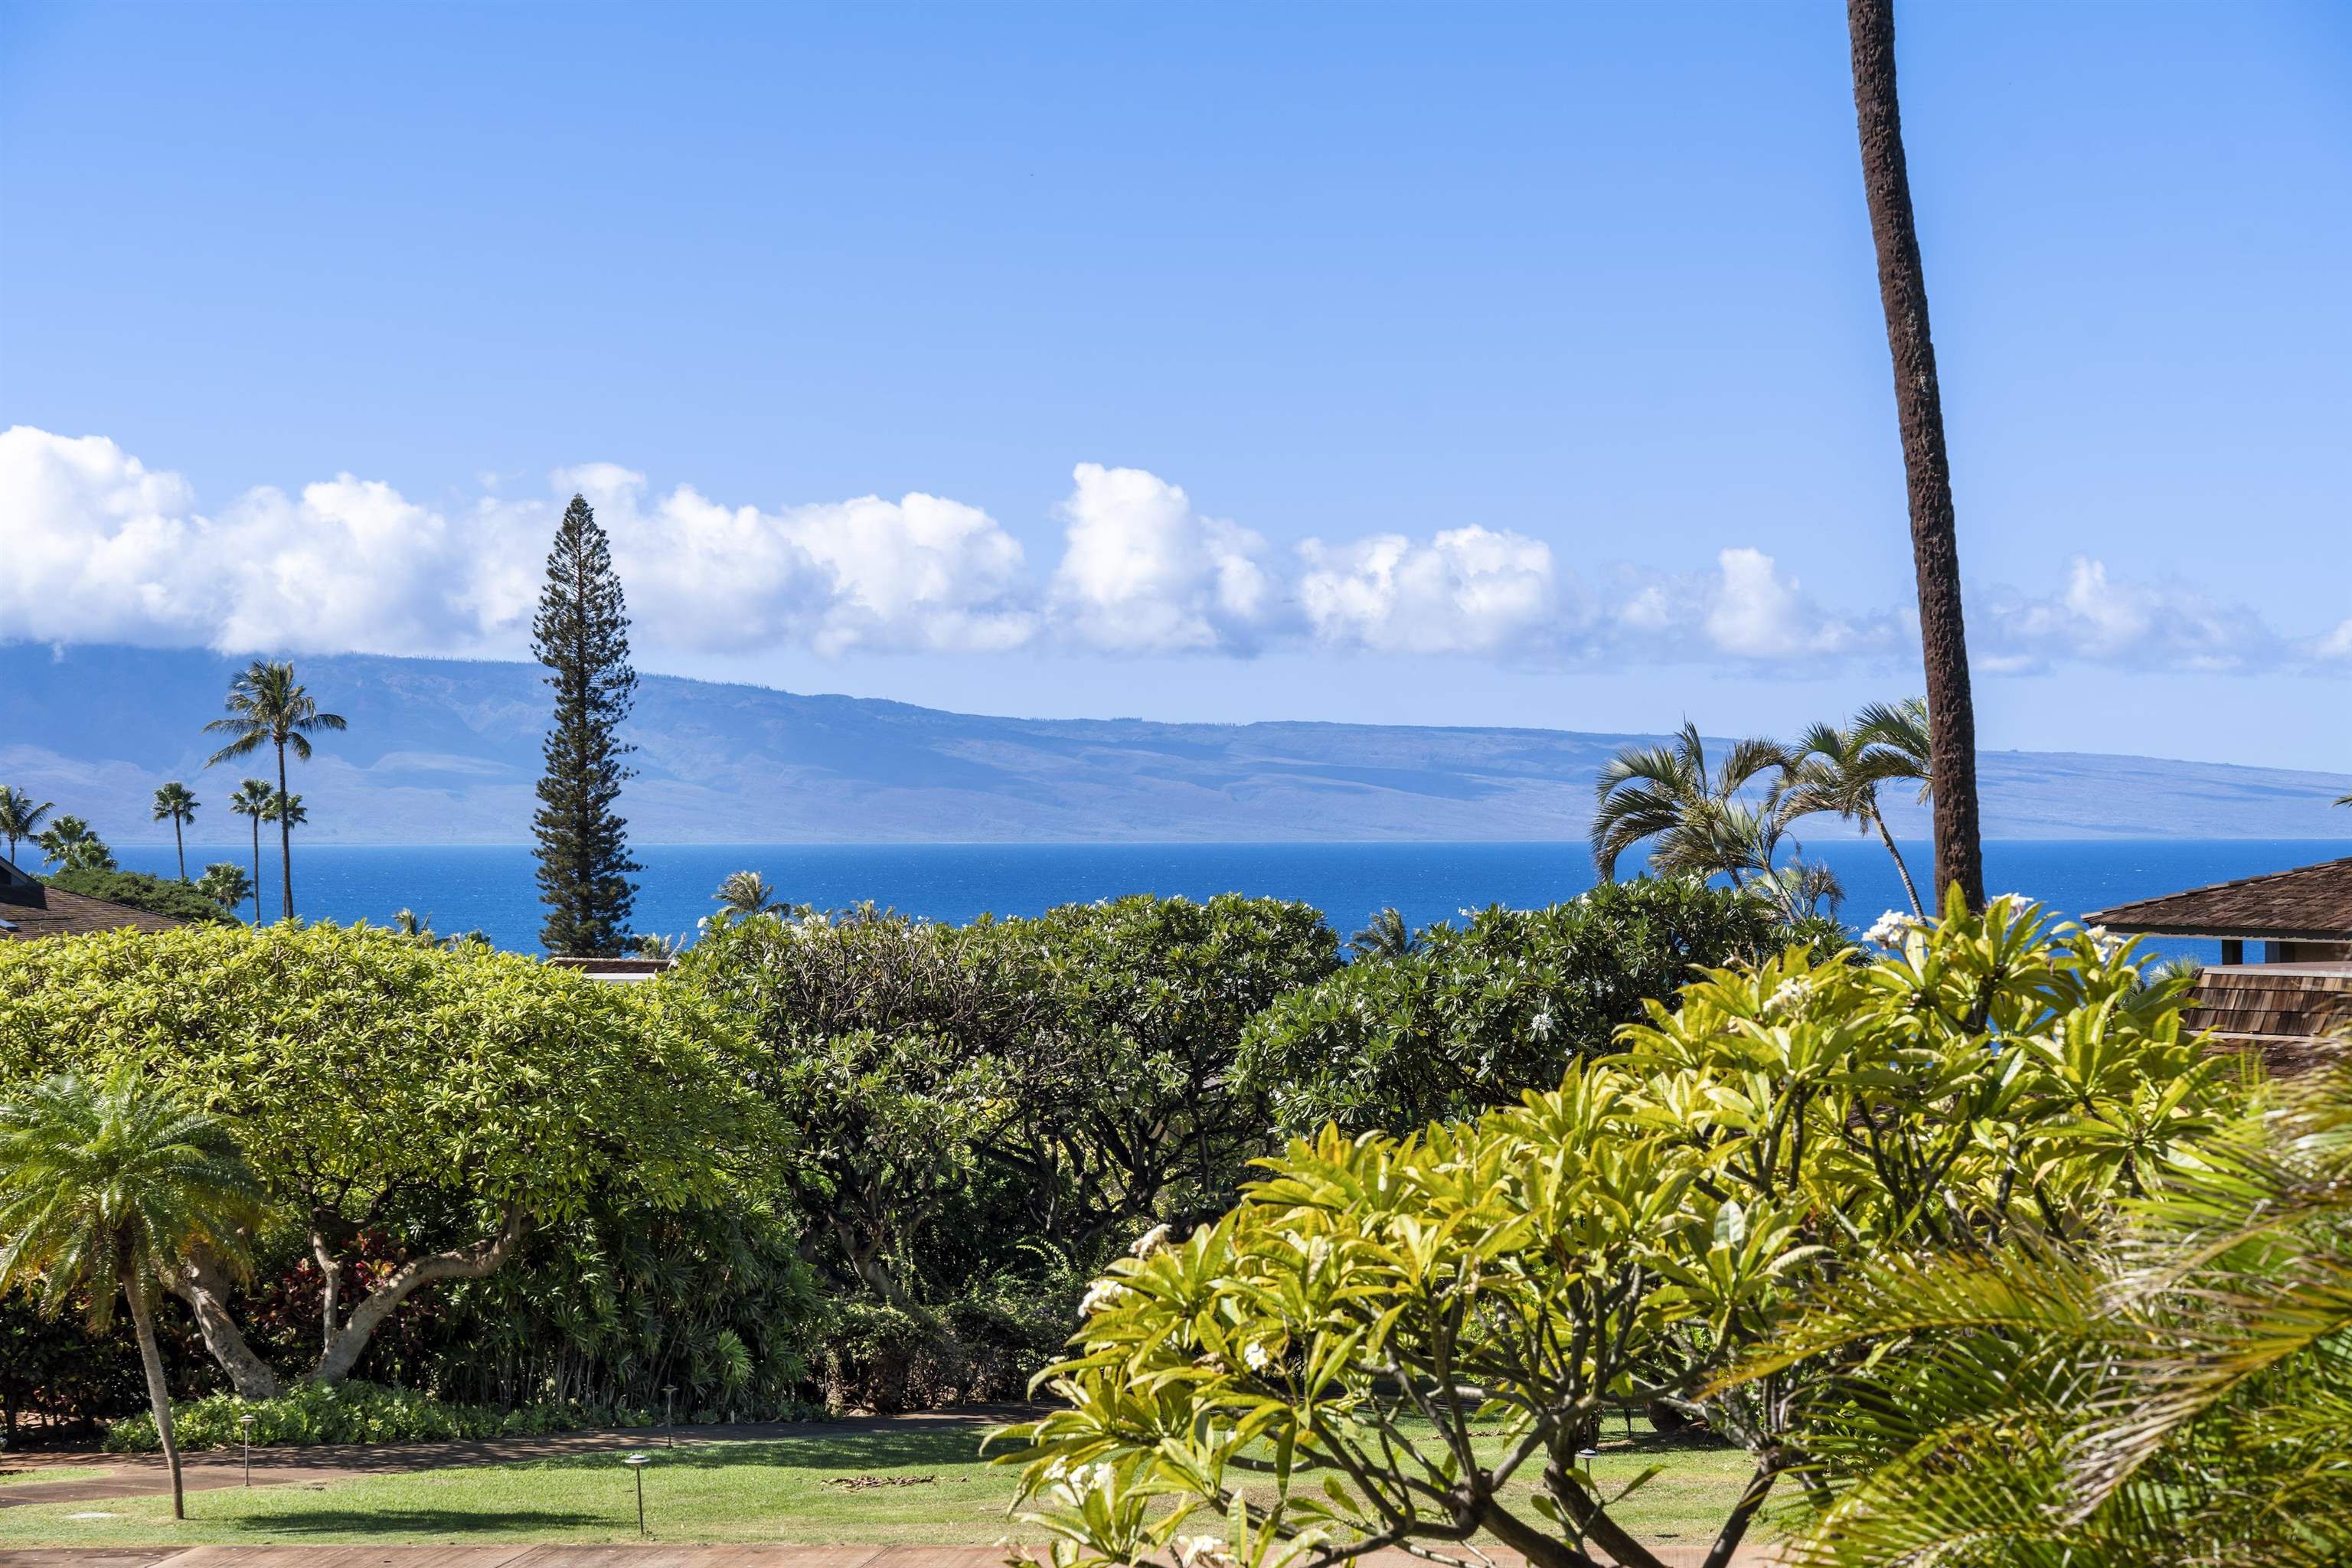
{"x": 448, "y": 752}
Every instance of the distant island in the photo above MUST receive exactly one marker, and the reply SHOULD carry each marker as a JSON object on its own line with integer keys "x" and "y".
{"x": 445, "y": 752}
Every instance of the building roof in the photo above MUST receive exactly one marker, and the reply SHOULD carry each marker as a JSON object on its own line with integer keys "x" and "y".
{"x": 2310, "y": 903}
{"x": 30, "y": 908}
{"x": 620, "y": 970}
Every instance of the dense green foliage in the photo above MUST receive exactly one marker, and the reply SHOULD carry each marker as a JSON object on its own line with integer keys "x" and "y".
{"x": 436, "y": 1106}
{"x": 1625, "y": 1237}
{"x": 1009, "y": 1093}
{"x": 582, "y": 635}
{"x": 1474, "y": 1015}
{"x": 181, "y": 900}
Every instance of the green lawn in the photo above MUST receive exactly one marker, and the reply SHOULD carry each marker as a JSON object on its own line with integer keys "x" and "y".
{"x": 792, "y": 1489}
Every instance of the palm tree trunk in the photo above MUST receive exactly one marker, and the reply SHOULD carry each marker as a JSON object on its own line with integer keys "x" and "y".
{"x": 285, "y": 836}
{"x": 1909, "y": 892}
{"x": 256, "y": 871}
{"x": 1919, "y": 407}
{"x": 159, "y": 1397}
{"x": 181, "y": 844}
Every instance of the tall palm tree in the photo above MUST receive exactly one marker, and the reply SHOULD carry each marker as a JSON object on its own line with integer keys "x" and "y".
{"x": 1670, "y": 795}
{"x": 253, "y": 798}
{"x": 286, "y": 810}
{"x": 107, "y": 1189}
{"x": 1927, "y": 469}
{"x": 175, "y": 804}
{"x": 1838, "y": 771}
{"x": 19, "y": 817}
{"x": 746, "y": 893}
{"x": 268, "y": 707}
{"x": 69, "y": 844}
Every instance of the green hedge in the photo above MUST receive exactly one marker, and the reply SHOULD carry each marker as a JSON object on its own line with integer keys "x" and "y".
{"x": 140, "y": 891}
{"x": 354, "y": 1413}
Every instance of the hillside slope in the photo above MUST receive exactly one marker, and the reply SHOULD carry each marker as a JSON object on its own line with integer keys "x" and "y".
{"x": 447, "y": 752}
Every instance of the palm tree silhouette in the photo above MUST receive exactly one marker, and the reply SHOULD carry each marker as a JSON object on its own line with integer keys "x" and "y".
{"x": 175, "y": 804}
{"x": 268, "y": 707}
{"x": 253, "y": 799}
{"x": 1671, "y": 795}
{"x": 106, "y": 1190}
{"x": 19, "y": 817}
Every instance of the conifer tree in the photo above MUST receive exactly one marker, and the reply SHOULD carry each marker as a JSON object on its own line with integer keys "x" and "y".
{"x": 582, "y": 635}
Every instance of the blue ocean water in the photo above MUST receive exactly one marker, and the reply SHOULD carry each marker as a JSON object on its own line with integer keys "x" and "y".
{"x": 463, "y": 888}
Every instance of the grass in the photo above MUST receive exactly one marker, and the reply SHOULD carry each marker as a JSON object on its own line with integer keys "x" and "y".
{"x": 14, "y": 1475}
{"x": 923, "y": 1485}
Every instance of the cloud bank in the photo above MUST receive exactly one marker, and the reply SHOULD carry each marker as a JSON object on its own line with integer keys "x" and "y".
{"x": 98, "y": 547}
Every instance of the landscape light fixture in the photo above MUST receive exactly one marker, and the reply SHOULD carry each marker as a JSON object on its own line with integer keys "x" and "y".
{"x": 246, "y": 1423}
{"x": 638, "y": 1462}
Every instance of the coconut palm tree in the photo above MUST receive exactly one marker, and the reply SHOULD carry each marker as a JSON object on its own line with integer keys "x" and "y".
{"x": 1919, "y": 410}
{"x": 175, "y": 804}
{"x": 19, "y": 817}
{"x": 1838, "y": 771}
{"x": 105, "y": 1189}
{"x": 1691, "y": 811}
{"x": 408, "y": 923}
{"x": 653, "y": 944}
{"x": 69, "y": 844}
{"x": 286, "y": 810}
{"x": 1385, "y": 936}
{"x": 746, "y": 893}
{"x": 226, "y": 884}
{"x": 253, "y": 799}
{"x": 268, "y": 707}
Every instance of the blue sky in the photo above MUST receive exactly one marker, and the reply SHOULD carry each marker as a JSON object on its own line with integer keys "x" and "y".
{"x": 1473, "y": 363}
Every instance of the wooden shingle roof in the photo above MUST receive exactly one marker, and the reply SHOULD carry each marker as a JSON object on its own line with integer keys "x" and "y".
{"x": 2310, "y": 903}
{"x": 30, "y": 909}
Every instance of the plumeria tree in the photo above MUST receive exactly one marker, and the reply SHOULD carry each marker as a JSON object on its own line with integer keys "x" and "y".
{"x": 1408, "y": 1340}
{"x": 369, "y": 1075}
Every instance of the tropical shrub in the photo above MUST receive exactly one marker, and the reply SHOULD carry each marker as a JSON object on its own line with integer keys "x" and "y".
{"x": 370, "y": 1079}
{"x": 1340, "y": 1339}
{"x": 355, "y": 1412}
{"x": 969, "y": 1099}
{"x": 1476, "y": 1015}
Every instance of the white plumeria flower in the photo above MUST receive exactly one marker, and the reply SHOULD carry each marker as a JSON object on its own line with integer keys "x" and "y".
{"x": 1149, "y": 1242}
{"x": 1102, "y": 1293}
{"x": 1790, "y": 998}
{"x": 1256, "y": 1355}
{"x": 1889, "y": 929}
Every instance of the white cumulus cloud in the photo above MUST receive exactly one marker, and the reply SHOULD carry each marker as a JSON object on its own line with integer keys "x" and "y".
{"x": 1467, "y": 590}
{"x": 2096, "y": 618}
{"x": 1141, "y": 571}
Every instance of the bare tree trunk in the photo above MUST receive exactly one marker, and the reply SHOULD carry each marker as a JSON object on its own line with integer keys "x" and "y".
{"x": 1902, "y": 870}
{"x": 1919, "y": 407}
{"x": 199, "y": 1283}
{"x": 180, "y": 846}
{"x": 159, "y": 1395}
{"x": 475, "y": 1262}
